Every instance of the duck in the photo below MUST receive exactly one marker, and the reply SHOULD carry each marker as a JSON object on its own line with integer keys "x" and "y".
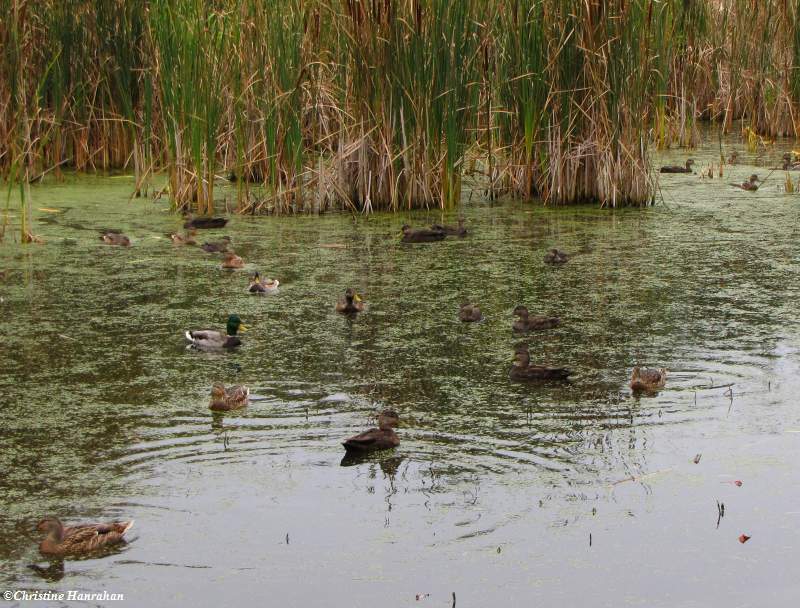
{"x": 259, "y": 285}
{"x": 678, "y": 168}
{"x": 205, "y": 222}
{"x": 351, "y": 303}
{"x": 459, "y": 230}
{"x": 788, "y": 163}
{"x": 231, "y": 260}
{"x": 522, "y": 369}
{"x": 644, "y": 379}
{"x": 187, "y": 238}
{"x": 750, "y": 184}
{"x": 218, "y": 247}
{"x": 469, "y": 313}
{"x": 381, "y": 438}
{"x": 211, "y": 339}
{"x": 733, "y": 157}
{"x": 61, "y": 541}
{"x": 115, "y": 238}
{"x": 225, "y": 399}
{"x": 528, "y": 323}
{"x": 421, "y": 235}
{"x": 555, "y": 256}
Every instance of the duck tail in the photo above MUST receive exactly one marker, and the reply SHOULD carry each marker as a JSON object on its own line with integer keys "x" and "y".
{"x": 127, "y": 527}
{"x": 188, "y": 335}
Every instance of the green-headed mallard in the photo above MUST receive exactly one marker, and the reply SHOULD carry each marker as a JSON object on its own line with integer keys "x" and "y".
{"x": 555, "y": 256}
{"x": 351, "y": 303}
{"x": 469, "y": 313}
{"x": 259, "y": 285}
{"x": 210, "y": 339}
{"x": 459, "y": 230}
{"x": 750, "y": 184}
{"x": 678, "y": 168}
{"x": 217, "y": 247}
{"x": 421, "y": 235}
{"x": 647, "y": 380}
{"x": 231, "y": 260}
{"x": 187, "y": 238}
{"x": 381, "y": 438}
{"x": 115, "y": 238}
{"x": 525, "y": 322}
{"x": 523, "y": 370}
{"x": 80, "y": 539}
{"x": 224, "y": 399}
{"x": 205, "y": 222}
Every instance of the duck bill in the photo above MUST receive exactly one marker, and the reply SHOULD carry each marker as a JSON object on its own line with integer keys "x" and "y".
{"x": 357, "y": 298}
{"x": 242, "y": 327}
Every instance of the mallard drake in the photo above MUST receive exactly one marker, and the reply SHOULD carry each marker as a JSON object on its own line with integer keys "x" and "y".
{"x": 351, "y": 303}
{"x": 421, "y": 235}
{"x": 211, "y": 339}
{"x": 231, "y": 260}
{"x": 218, "y": 247}
{"x": 224, "y": 399}
{"x": 259, "y": 285}
{"x": 644, "y": 379}
{"x": 750, "y": 184}
{"x": 459, "y": 230}
{"x": 555, "y": 256}
{"x": 205, "y": 222}
{"x": 187, "y": 238}
{"x": 115, "y": 238}
{"x": 678, "y": 168}
{"x": 531, "y": 323}
{"x": 80, "y": 539}
{"x": 469, "y": 313}
{"x": 523, "y": 370}
{"x": 381, "y": 438}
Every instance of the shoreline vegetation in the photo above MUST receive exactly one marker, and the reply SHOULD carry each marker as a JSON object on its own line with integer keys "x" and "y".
{"x": 312, "y": 105}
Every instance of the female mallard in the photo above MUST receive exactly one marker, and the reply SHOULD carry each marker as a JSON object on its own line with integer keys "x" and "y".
{"x": 469, "y": 313}
{"x": 259, "y": 285}
{"x": 210, "y": 339}
{"x": 81, "y": 539}
{"x": 459, "y": 230}
{"x": 531, "y": 323}
{"x": 187, "y": 238}
{"x": 231, "y": 260}
{"x": 205, "y": 222}
{"x": 523, "y": 370}
{"x": 225, "y": 399}
{"x": 218, "y": 247}
{"x": 555, "y": 256}
{"x": 678, "y": 168}
{"x": 421, "y": 235}
{"x": 115, "y": 238}
{"x": 382, "y": 438}
{"x": 750, "y": 184}
{"x": 648, "y": 380}
{"x": 351, "y": 303}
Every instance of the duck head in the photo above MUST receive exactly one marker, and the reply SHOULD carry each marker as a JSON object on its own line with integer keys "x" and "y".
{"x": 388, "y": 419}
{"x": 235, "y": 325}
{"x": 350, "y": 295}
{"x": 51, "y": 526}
{"x": 521, "y": 311}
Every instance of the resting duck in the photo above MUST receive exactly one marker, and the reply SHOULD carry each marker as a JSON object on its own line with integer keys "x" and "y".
{"x": 226, "y": 399}
{"x": 187, "y": 238}
{"x": 678, "y": 168}
{"x": 382, "y": 438}
{"x": 555, "y": 256}
{"x": 210, "y": 339}
{"x": 750, "y": 184}
{"x": 351, "y": 303}
{"x": 523, "y": 370}
{"x": 205, "y": 222}
{"x": 259, "y": 285}
{"x": 81, "y": 539}
{"x": 459, "y": 230}
{"x": 421, "y": 235}
{"x": 218, "y": 247}
{"x": 231, "y": 260}
{"x": 115, "y": 238}
{"x": 528, "y": 323}
{"x": 644, "y": 379}
{"x": 469, "y": 313}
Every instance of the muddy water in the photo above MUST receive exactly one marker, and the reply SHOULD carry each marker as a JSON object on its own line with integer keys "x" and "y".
{"x": 519, "y": 495}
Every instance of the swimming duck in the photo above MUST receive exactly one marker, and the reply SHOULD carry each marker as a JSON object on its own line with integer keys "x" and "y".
{"x": 523, "y": 370}
{"x": 644, "y": 379}
{"x": 187, "y": 238}
{"x": 80, "y": 539}
{"x": 211, "y": 339}
{"x": 115, "y": 238}
{"x": 788, "y": 163}
{"x": 218, "y": 247}
{"x": 224, "y": 399}
{"x": 205, "y": 222}
{"x": 749, "y": 185}
{"x": 351, "y": 303}
{"x": 259, "y": 285}
{"x": 421, "y": 235}
{"x": 459, "y": 230}
{"x": 733, "y": 157}
{"x": 678, "y": 168}
{"x": 555, "y": 256}
{"x": 231, "y": 260}
{"x": 528, "y": 323}
{"x": 381, "y": 438}
{"x": 469, "y": 313}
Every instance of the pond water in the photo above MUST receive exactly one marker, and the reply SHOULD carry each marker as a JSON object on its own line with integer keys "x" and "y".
{"x": 576, "y": 495}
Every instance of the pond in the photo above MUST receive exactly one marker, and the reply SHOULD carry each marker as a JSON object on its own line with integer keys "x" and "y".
{"x": 578, "y": 494}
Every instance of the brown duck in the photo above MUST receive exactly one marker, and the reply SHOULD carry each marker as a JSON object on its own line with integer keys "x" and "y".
{"x": 205, "y": 222}
{"x": 381, "y": 438}
{"x": 231, "y": 260}
{"x": 351, "y": 303}
{"x": 421, "y": 235}
{"x": 225, "y": 399}
{"x": 750, "y": 184}
{"x": 555, "y": 256}
{"x": 469, "y": 313}
{"x": 81, "y": 539}
{"x": 187, "y": 238}
{"x": 648, "y": 380}
{"x": 677, "y": 168}
{"x": 217, "y": 247}
{"x": 115, "y": 238}
{"x": 522, "y": 369}
{"x": 525, "y": 322}
{"x": 459, "y": 230}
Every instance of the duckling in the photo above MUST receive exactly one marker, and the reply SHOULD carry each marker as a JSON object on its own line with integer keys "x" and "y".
{"x": 81, "y": 539}
{"x": 459, "y": 230}
{"x": 187, "y": 238}
{"x": 555, "y": 256}
{"x": 749, "y": 185}
{"x": 648, "y": 380}
{"x": 231, "y": 260}
{"x": 218, "y": 247}
{"x": 522, "y": 369}
{"x": 381, "y": 438}
{"x": 259, "y": 285}
{"x": 225, "y": 399}
{"x": 469, "y": 313}
{"x": 351, "y": 303}
{"x": 678, "y": 168}
{"x": 211, "y": 339}
{"x": 205, "y": 222}
{"x": 528, "y": 323}
{"x": 115, "y": 238}
{"x": 421, "y": 235}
